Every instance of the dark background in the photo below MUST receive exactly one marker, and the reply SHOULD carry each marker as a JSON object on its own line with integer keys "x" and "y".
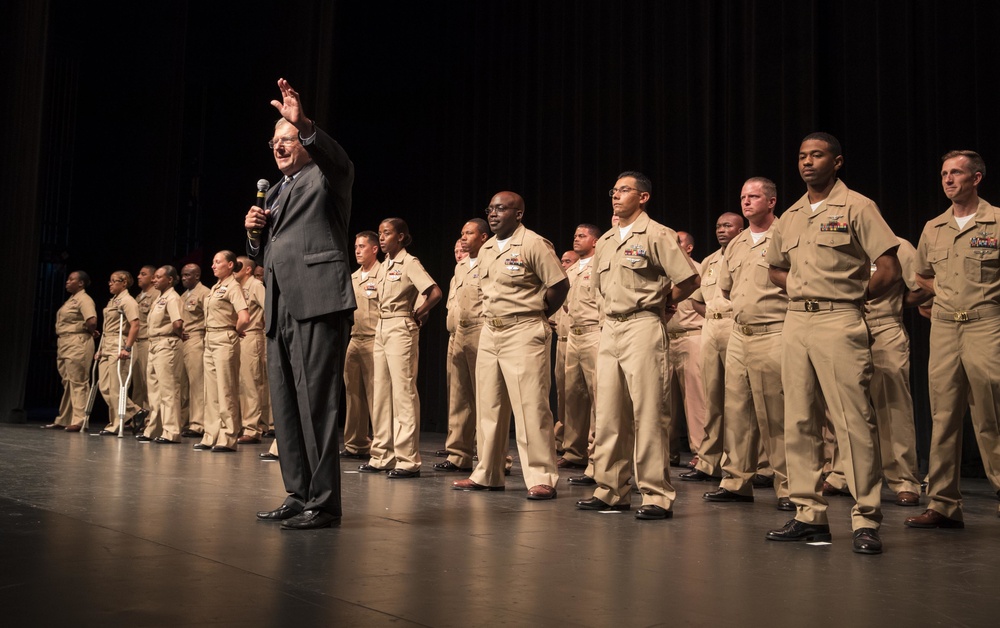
{"x": 136, "y": 131}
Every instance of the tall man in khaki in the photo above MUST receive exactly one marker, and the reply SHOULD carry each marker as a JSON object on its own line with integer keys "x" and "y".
{"x": 163, "y": 368}
{"x": 754, "y": 399}
{"x": 958, "y": 259}
{"x": 640, "y": 271}
{"x": 467, "y": 310}
{"x": 822, "y": 254}
{"x": 523, "y": 285}
{"x": 684, "y": 383}
{"x": 255, "y": 402}
{"x": 359, "y": 361}
{"x": 711, "y": 303}
{"x": 193, "y": 352}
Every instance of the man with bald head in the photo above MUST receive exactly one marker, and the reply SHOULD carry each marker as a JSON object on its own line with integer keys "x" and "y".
{"x": 193, "y": 351}
{"x": 523, "y": 285}
{"x": 711, "y": 303}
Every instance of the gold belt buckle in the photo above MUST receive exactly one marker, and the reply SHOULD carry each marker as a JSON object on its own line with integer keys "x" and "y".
{"x": 497, "y": 323}
{"x": 716, "y": 315}
{"x": 811, "y": 306}
{"x": 961, "y": 317}
{"x": 577, "y": 331}
{"x": 621, "y": 318}
{"x": 747, "y": 330}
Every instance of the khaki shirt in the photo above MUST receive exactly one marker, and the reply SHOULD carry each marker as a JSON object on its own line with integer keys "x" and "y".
{"x": 253, "y": 293}
{"x": 403, "y": 280}
{"x": 828, "y": 252}
{"x": 125, "y": 303}
{"x": 582, "y": 300}
{"x": 710, "y": 293}
{"x": 685, "y": 317}
{"x": 756, "y": 301}
{"x": 223, "y": 302}
{"x": 194, "y": 308}
{"x": 145, "y": 301}
{"x": 72, "y": 316}
{"x": 890, "y": 304}
{"x": 514, "y": 280}
{"x": 366, "y": 294}
{"x": 166, "y": 310}
{"x": 636, "y": 274}
{"x": 468, "y": 292}
{"x": 965, "y": 263}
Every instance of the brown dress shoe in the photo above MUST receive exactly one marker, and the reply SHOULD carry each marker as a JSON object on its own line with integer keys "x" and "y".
{"x": 829, "y": 490}
{"x": 74, "y": 428}
{"x": 933, "y": 519}
{"x": 469, "y": 485}
{"x": 542, "y": 491}
{"x": 248, "y": 440}
{"x": 907, "y": 498}
{"x": 563, "y": 463}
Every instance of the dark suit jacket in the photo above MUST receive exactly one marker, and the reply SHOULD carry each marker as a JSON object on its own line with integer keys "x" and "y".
{"x": 305, "y": 247}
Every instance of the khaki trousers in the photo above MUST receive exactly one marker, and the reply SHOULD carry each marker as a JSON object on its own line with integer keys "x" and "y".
{"x": 396, "y": 411}
{"x": 684, "y": 385}
{"x": 108, "y": 384}
{"x": 222, "y": 403}
{"x": 74, "y": 358}
{"x": 827, "y": 354}
{"x": 714, "y": 342}
{"x": 193, "y": 382}
{"x": 513, "y": 375}
{"x": 962, "y": 373}
{"x": 255, "y": 406}
{"x": 755, "y": 411}
{"x": 140, "y": 356}
{"x": 461, "y": 438}
{"x": 559, "y": 372}
{"x": 163, "y": 386}
{"x": 359, "y": 379}
{"x": 580, "y": 388}
{"x": 631, "y": 422}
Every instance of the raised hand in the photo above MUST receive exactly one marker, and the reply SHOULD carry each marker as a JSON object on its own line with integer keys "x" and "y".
{"x": 290, "y": 108}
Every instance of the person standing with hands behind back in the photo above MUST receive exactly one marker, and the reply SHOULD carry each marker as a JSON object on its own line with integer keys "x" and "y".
{"x": 301, "y": 241}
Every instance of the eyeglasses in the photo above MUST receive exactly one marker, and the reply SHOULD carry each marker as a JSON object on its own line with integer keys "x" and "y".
{"x": 623, "y": 190}
{"x": 498, "y": 209}
{"x": 281, "y": 141}
{"x": 116, "y": 281}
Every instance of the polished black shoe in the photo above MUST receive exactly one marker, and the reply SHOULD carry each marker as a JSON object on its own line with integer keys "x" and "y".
{"x": 441, "y": 453}
{"x": 652, "y": 511}
{"x": 310, "y": 520}
{"x": 675, "y": 460}
{"x": 159, "y": 440}
{"x": 785, "y": 504}
{"x": 367, "y": 468}
{"x": 795, "y": 530}
{"x": 281, "y": 513}
{"x": 596, "y": 504}
{"x": 396, "y": 474}
{"x": 268, "y": 457}
{"x": 191, "y": 434}
{"x": 139, "y": 420}
{"x": 696, "y": 476}
{"x": 142, "y": 438}
{"x": 222, "y": 449}
{"x": 866, "y": 541}
{"x": 448, "y": 465}
{"x": 202, "y": 447}
{"x": 582, "y": 480}
{"x": 723, "y": 495}
{"x": 357, "y": 455}
{"x": 762, "y": 481}
{"x": 107, "y": 432}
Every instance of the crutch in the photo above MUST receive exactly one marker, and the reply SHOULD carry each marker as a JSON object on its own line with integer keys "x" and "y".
{"x": 90, "y": 397}
{"x": 122, "y": 386}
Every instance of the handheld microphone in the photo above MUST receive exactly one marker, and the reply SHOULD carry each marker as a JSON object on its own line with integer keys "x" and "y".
{"x": 262, "y": 187}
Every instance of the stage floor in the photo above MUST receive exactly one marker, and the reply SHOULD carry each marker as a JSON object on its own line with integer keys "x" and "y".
{"x": 108, "y": 532}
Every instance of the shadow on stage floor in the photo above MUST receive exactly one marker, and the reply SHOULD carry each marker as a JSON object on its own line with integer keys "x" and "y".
{"x": 111, "y": 532}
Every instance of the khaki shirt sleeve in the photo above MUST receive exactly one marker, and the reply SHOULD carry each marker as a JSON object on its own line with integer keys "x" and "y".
{"x": 87, "y": 308}
{"x": 541, "y": 255}
{"x": 908, "y": 262}
{"x": 418, "y": 276}
{"x": 922, "y": 263}
{"x": 874, "y": 233}
{"x": 235, "y": 296}
{"x": 174, "y": 309}
{"x": 131, "y": 309}
{"x": 777, "y": 254}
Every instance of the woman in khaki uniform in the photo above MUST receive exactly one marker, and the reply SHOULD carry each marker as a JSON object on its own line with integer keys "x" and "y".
{"x": 396, "y": 418}
{"x": 226, "y": 319}
{"x": 163, "y": 367}
{"x": 121, "y": 307}
{"x": 76, "y": 328}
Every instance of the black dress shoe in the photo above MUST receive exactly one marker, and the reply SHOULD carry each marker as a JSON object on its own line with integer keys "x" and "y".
{"x": 222, "y": 449}
{"x": 142, "y": 438}
{"x": 310, "y": 520}
{"x": 164, "y": 441}
{"x": 367, "y": 468}
{"x": 357, "y": 455}
{"x": 795, "y": 530}
{"x": 107, "y": 432}
{"x": 866, "y": 541}
{"x": 596, "y": 504}
{"x": 268, "y": 457}
{"x": 395, "y": 474}
{"x": 448, "y": 465}
{"x": 652, "y": 511}
{"x": 696, "y": 476}
{"x": 785, "y": 504}
{"x": 675, "y": 460}
{"x": 191, "y": 434}
{"x": 762, "y": 481}
{"x": 281, "y": 513}
{"x": 139, "y": 420}
{"x": 723, "y": 495}
{"x": 582, "y": 480}
{"x": 441, "y": 453}
{"x": 202, "y": 447}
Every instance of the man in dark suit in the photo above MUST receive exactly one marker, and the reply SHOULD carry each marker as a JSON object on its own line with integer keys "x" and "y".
{"x": 300, "y": 237}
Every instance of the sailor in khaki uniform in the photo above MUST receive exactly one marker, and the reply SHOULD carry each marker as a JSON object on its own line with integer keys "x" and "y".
{"x": 396, "y": 413}
{"x": 76, "y": 328}
{"x": 359, "y": 363}
{"x": 121, "y": 307}
{"x": 640, "y": 271}
{"x": 958, "y": 259}
{"x": 523, "y": 285}
{"x": 193, "y": 351}
{"x": 163, "y": 368}
{"x": 822, "y": 253}
{"x": 148, "y": 295}
{"x": 754, "y": 400}
{"x": 560, "y": 324}
{"x": 582, "y": 310}
{"x": 226, "y": 318}
{"x": 712, "y": 304}
{"x": 255, "y": 404}
{"x": 467, "y": 309}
